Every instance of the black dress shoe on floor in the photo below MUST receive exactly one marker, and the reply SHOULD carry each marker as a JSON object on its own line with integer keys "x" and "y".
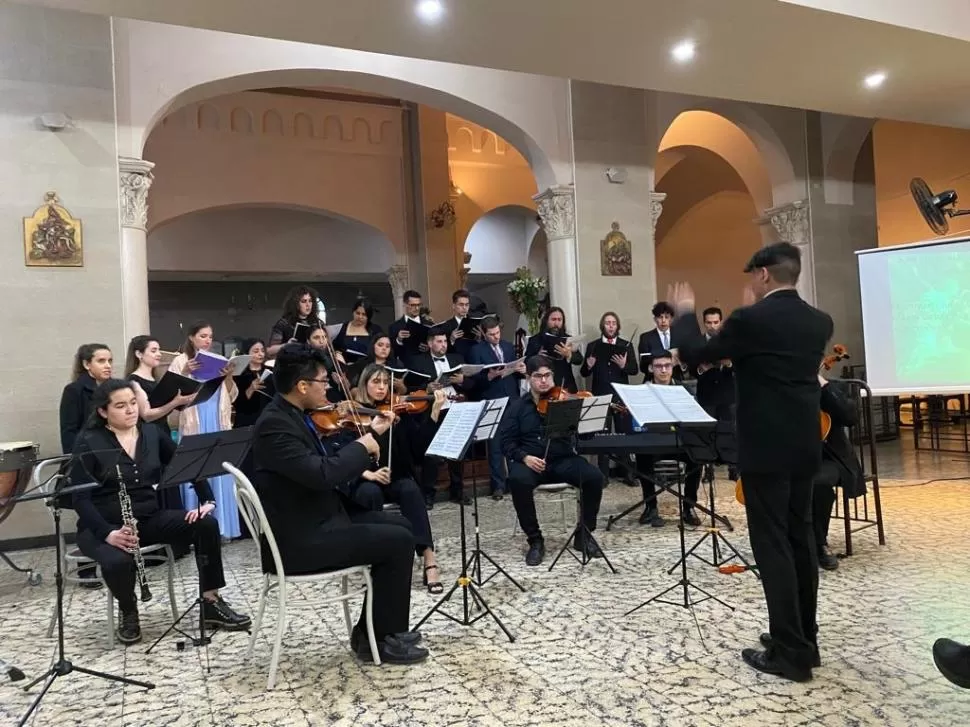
{"x": 429, "y": 502}
{"x": 129, "y": 627}
{"x": 360, "y": 645}
{"x": 766, "y": 642}
{"x": 652, "y": 517}
{"x": 393, "y": 650}
{"x": 953, "y": 661}
{"x": 218, "y": 613}
{"x": 690, "y": 517}
{"x": 589, "y": 547}
{"x": 498, "y": 494}
{"x": 765, "y": 662}
{"x": 464, "y": 499}
{"x": 827, "y": 559}
{"x": 537, "y": 551}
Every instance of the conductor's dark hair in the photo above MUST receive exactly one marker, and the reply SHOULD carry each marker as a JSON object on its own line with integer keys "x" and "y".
{"x": 297, "y": 362}
{"x": 534, "y": 363}
{"x": 410, "y": 294}
{"x": 712, "y": 311}
{"x": 101, "y": 398}
{"x": 782, "y": 260}
{"x": 660, "y": 308}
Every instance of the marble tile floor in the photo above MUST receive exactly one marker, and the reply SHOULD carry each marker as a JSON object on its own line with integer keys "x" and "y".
{"x": 577, "y": 660}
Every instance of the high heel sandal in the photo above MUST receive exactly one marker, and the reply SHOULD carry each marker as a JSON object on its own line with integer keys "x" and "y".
{"x": 434, "y": 587}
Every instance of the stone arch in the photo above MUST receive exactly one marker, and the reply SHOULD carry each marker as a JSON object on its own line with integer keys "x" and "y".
{"x": 499, "y": 241}
{"x": 841, "y": 158}
{"x": 303, "y": 126}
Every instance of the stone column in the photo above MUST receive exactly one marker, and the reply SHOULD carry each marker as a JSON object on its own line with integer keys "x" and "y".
{"x": 792, "y": 223}
{"x": 557, "y": 210}
{"x": 135, "y": 181}
{"x": 397, "y": 276}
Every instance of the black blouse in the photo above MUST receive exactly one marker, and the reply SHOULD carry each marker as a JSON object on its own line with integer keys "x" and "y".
{"x": 148, "y": 386}
{"x": 98, "y": 457}
{"x": 248, "y": 409}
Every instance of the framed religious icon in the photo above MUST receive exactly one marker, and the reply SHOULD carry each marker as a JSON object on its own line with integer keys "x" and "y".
{"x": 52, "y": 238}
{"x": 616, "y": 257}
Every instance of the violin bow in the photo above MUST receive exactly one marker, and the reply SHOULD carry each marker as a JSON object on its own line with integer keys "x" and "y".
{"x": 342, "y": 384}
{"x": 390, "y": 430}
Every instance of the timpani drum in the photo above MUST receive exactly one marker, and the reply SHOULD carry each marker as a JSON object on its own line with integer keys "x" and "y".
{"x": 16, "y": 464}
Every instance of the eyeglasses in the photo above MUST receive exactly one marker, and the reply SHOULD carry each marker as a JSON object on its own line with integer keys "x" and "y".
{"x": 542, "y": 377}
{"x": 663, "y": 366}
{"x": 315, "y": 381}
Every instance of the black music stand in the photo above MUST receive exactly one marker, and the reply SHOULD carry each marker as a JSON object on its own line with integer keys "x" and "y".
{"x": 451, "y": 442}
{"x": 564, "y": 420}
{"x": 485, "y": 432}
{"x": 62, "y": 666}
{"x": 197, "y": 458}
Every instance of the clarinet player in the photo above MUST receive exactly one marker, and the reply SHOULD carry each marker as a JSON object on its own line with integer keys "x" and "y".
{"x": 127, "y": 458}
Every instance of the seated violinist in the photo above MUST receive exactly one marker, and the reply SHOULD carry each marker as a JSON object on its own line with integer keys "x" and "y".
{"x": 394, "y": 482}
{"x": 535, "y": 461}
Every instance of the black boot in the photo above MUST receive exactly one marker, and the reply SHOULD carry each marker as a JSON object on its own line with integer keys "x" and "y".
{"x": 953, "y": 661}
{"x": 129, "y": 627}
{"x": 827, "y": 559}
{"x": 537, "y": 551}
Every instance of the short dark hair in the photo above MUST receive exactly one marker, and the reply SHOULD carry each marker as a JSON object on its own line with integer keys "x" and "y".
{"x": 364, "y": 303}
{"x": 534, "y": 363}
{"x": 296, "y": 362}
{"x": 782, "y": 260}
{"x": 432, "y": 334}
{"x": 461, "y": 293}
{"x": 410, "y": 294}
{"x": 661, "y": 354}
{"x": 660, "y": 308}
{"x": 490, "y": 322}
{"x": 712, "y": 311}
{"x": 102, "y": 397}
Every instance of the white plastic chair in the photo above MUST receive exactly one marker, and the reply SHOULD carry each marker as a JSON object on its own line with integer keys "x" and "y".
{"x": 255, "y": 517}
{"x": 72, "y": 559}
{"x": 552, "y": 494}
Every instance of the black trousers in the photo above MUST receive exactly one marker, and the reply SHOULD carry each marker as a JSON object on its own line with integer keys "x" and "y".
{"x": 164, "y": 526}
{"x": 823, "y": 497}
{"x": 429, "y": 477}
{"x": 620, "y": 423}
{"x": 692, "y": 479}
{"x": 573, "y": 470}
{"x": 779, "y": 509}
{"x": 378, "y": 539}
{"x": 405, "y": 493}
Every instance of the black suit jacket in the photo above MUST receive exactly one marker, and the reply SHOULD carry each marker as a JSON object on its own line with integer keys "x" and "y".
{"x": 409, "y": 348}
{"x": 480, "y": 354}
{"x": 298, "y": 484}
{"x": 604, "y": 372}
{"x": 776, "y": 346}
{"x": 650, "y": 343}
{"x": 838, "y": 403}
{"x": 562, "y": 370}
{"x": 715, "y": 391}
{"x": 75, "y": 409}
{"x": 521, "y": 433}
{"x": 463, "y": 345}
{"x": 424, "y": 364}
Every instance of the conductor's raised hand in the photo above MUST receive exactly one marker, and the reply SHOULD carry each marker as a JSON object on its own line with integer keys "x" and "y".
{"x": 682, "y": 298}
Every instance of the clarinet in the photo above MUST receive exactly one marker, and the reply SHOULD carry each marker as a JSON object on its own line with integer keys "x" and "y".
{"x": 129, "y": 521}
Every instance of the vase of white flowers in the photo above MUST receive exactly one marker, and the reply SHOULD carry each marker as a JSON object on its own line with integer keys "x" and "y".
{"x": 525, "y": 292}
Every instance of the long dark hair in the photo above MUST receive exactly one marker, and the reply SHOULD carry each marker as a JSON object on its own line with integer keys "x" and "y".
{"x": 603, "y": 322}
{"x": 102, "y": 397}
{"x": 189, "y": 347}
{"x": 85, "y": 354}
{"x": 291, "y": 304}
{"x": 138, "y": 344}
{"x": 544, "y": 324}
{"x": 372, "y": 354}
{"x": 366, "y": 305}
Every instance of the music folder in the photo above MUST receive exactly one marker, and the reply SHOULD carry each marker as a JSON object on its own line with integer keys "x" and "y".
{"x": 169, "y": 386}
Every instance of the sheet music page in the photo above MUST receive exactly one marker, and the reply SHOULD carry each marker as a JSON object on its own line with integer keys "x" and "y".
{"x": 488, "y": 424}
{"x": 456, "y": 429}
{"x": 510, "y": 367}
{"x": 681, "y": 404}
{"x": 595, "y": 411}
{"x": 333, "y": 330}
{"x": 473, "y": 369}
{"x": 643, "y": 403}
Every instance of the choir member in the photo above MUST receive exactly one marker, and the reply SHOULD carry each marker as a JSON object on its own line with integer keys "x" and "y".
{"x": 459, "y": 341}
{"x": 562, "y": 355}
{"x": 356, "y": 334}
{"x": 406, "y": 345}
{"x": 300, "y": 306}
{"x": 92, "y": 366}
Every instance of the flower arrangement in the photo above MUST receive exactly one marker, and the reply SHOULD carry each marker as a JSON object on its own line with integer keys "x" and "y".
{"x": 525, "y": 293}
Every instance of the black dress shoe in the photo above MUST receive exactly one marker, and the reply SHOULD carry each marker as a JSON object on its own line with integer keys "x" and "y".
{"x": 766, "y": 641}
{"x": 953, "y": 661}
{"x": 652, "y": 517}
{"x": 429, "y": 502}
{"x": 218, "y": 613}
{"x": 393, "y": 650}
{"x": 360, "y": 644}
{"x": 129, "y": 627}
{"x": 498, "y": 494}
{"x": 537, "y": 551}
{"x": 589, "y": 547}
{"x": 690, "y": 517}
{"x": 460, "y": 500}
{"x": 827, "y": 559}
{"x": 765, "y": 661}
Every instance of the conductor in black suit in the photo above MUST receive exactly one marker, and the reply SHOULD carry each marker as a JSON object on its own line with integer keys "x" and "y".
{"x": 302, "y": 485}
{"x": 776, "y": 345}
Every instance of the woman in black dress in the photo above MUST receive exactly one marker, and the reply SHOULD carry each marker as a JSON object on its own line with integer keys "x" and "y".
{"x": 563, "y": 356}
{"x": 300, "y": 306}
{"x": 143, "y": 358}
{"x": 255, "y": 389}
{"x": 356, "y": 334}
{"x": 92, "y": 366}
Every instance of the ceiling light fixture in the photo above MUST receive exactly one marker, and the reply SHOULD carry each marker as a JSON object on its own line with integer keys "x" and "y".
{"x": 875, "y": 80}
{"x": 430, "y": 11}
{"x": 683, "y": 51}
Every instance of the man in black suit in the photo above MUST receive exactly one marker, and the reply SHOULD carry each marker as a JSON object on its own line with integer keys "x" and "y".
{"x": 840, "y": 466}
{"x": 317, "y": 527}
{"x": 491, "y": 384}
{"x": 432, "y": 365}
{"x": 776, "y": 345}
{"x": 407, "y": 345}
{"x": 459, "y": 341}
{"x": 533, "y": 464}
{"x": 660, "y": 339}
{"x": 715, "y": 381}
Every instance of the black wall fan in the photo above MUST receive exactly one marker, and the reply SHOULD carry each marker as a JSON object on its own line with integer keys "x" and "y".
{"x": 935, "y": 208}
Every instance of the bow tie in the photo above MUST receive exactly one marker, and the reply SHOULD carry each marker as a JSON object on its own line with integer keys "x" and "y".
{"x": 442, "y": 359}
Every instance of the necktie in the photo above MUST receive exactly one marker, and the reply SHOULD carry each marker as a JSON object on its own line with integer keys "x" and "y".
{"x": 498, "y": 353}
{"x": 665, "y": 339}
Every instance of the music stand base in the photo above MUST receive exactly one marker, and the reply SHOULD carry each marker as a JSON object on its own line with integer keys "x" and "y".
{"x": 584, "y": 559}
{"x": 686, "y": 602}
{"x": 474, "y": 565}
{"x": 33, "y": 577}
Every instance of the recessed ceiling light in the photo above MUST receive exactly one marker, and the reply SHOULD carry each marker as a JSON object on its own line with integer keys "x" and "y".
{"x": 683, "y": 51}
{"x": 875, "y": 80}
{"x": 430, "y": 11}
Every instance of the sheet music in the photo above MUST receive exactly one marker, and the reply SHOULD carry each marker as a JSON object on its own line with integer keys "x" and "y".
{"x": 595, "y": 411}
{"x": 510, "y": 367}
{"x": 333, "y": 330}
{"x": 488, "y": 424}
{"x": 457, "y": 428}
{"x": 655, "y": 404}
{"x": 473, "y": 369}
{"x": 681, "y": 404}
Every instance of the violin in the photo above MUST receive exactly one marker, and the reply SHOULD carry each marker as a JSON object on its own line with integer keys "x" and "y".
{"x": 558, "y": 393}
{"x": 330, "y": 420}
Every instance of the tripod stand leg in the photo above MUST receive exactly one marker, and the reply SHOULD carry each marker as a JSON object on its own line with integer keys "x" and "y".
{"x": 616, "y": 518}
{"x": 50, "y": 676}
{"x": 499, "y": 569}
{"x": 114, "y": 678}
{"x": 487, "y": 609}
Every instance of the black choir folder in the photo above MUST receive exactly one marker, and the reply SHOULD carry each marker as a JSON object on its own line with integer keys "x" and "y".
{"x": 172, "y": 384}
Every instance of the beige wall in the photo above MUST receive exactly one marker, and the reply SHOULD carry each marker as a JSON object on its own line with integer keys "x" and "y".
{"x": 54, "y": 61}
{"x": 902, "y": 151}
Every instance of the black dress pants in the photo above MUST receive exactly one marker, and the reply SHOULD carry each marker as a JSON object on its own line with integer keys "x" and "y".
{"x": 573, "y": 470}
{"x": 405, "y": 493}
{"x": 779, "y": 509}
{"x": 429, "y": 477}
{"x": 823, "y": 497}
{"x": 692, "y": 480}
{"x": 164, "y": 526}
{"x": 378, "y": 539}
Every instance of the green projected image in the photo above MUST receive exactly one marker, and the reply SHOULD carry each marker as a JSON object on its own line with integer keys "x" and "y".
{"x": 930, "y": 294}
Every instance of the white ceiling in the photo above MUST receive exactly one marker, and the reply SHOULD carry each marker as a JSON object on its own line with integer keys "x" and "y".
{"x": 783, "y": 52}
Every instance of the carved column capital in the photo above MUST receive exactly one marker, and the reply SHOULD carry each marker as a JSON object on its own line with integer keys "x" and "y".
{"x": 557, "y": 210}
{"x": 135, "y": 181}
{"x": 397, "y": 276}
{"x": 656, "y": 208}
{"x": 791, "y": 222}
